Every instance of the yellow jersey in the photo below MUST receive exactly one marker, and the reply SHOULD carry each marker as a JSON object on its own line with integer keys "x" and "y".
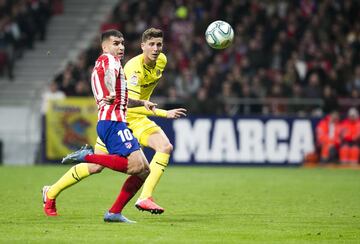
{"x": 142, "y": 79}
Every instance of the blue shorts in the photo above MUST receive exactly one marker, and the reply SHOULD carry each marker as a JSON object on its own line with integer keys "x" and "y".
{"x": 117, "y": 137}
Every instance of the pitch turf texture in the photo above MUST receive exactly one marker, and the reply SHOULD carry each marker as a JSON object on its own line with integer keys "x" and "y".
{"x": 203, "y": 205}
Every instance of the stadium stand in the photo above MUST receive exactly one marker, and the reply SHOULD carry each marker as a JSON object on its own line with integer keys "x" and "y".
{"x": 68, "y": 32}
{"x": 291, "y": 57}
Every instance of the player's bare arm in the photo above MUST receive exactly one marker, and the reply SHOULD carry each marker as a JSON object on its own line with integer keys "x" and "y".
{"x": 137, "y": 103}
{"x": 109, "y": 79}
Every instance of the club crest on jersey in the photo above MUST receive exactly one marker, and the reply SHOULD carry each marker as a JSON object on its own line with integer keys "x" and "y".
{"x": 128, "y": 145}
{"x": 158, "y": 72}
{"x": 134, "y": 80}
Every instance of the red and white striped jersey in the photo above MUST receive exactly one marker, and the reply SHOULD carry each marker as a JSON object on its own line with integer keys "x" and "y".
{"x": 117, "y": 110}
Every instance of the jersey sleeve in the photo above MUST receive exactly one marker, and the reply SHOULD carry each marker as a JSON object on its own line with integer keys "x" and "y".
{"x": 133, "y": 79}
{"x": 144, "y": 111}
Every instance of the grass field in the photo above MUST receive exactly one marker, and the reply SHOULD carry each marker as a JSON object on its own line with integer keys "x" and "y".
{"x": 203, "y": 205}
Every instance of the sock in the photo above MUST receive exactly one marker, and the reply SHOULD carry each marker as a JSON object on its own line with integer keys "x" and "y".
{"x": 128, "y": 190}
{"x": 114, "y": 162}
{"x": 157, "y": 167}
{"x": 71, "y": 177}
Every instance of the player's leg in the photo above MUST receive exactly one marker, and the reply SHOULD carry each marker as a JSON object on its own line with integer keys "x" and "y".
{"x": 122, "y": 142}
{"x": 74, "y": 175}
{"x": 113, "y": 161}
{"x": 133, "y": 183}
{"x": 111, "y": 133}
{"x": 158, "y": 141}
{"x": 71, "y": 177}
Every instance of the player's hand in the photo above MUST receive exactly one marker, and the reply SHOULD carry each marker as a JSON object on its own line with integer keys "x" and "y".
{"x": 109, "y": 99}
{"x": 150, "y": 106}
{"x": 176, "y": 113}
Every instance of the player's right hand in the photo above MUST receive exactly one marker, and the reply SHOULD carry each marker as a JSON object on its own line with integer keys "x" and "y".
{"x": 176, "y": 113}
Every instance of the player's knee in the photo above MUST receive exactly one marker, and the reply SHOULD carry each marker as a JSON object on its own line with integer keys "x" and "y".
{"x": 166, "y": 148}
{"x": 95, "y": 168}
{"x": 136, "y": 168}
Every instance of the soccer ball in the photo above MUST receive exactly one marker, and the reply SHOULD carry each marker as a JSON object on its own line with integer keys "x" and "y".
{"x": 219, "y": 34}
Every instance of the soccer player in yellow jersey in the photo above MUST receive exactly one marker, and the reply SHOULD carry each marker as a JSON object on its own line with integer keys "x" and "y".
{"x": 143, "y": 73}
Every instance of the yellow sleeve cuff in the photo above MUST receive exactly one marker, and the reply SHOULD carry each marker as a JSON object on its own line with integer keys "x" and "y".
{"x": 161, "y": 112}
{"x": 143, "y": 111}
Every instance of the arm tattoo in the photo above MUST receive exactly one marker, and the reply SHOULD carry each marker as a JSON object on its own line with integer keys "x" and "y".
{"x": 110, "y": 78}
{"x": 135, "y": 103}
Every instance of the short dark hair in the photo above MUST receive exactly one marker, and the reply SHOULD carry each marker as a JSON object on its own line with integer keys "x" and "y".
{"x": 112, "y": 32}
{"x": 151, "y": 33}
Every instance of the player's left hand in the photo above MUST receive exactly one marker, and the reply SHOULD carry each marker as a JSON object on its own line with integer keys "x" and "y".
{"x": 150, "y": 106}
{"x": 176, "y": 113}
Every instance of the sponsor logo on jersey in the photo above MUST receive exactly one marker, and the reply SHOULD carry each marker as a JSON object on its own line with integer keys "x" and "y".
{"x": 134, "y": 80}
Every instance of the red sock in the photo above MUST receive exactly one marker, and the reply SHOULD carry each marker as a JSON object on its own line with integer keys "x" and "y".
{"x": 114, "y": 162}
{"x": 132, "y": 184}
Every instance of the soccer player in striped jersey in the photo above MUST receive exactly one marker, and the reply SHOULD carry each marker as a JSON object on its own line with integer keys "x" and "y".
{"x": 125, "y": 155}
{"x": 143, "y": 73}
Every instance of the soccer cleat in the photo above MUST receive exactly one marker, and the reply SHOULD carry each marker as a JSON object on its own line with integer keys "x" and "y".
{"x": 149, "y": 205}
{"x": 78, "y": 156}
{"x": 117, "y": 217}
{"x": 49, "y": 204}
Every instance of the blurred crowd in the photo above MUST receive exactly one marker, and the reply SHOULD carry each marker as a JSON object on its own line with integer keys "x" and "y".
{"x": 283, "y": 50}
{"x": 338, "y": 140}
{"x": 22, "y": 23}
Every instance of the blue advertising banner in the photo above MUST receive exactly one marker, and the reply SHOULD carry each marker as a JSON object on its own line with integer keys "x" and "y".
{"x": 239, "y": 140}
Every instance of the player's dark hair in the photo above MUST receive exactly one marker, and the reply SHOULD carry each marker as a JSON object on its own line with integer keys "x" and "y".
{"x": 151, "y": 33}
{"x": 112, "y": 32}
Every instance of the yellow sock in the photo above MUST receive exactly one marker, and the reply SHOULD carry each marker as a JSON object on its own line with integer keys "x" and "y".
{"x": 72, "y": 176}
{"x": 157, "y": 167}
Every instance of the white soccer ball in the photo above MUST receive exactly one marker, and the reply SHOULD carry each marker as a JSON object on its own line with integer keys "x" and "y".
{"x": 219, "y": 34}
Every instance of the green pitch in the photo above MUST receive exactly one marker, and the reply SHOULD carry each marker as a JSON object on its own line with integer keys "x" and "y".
{"x": 203, "y": 205}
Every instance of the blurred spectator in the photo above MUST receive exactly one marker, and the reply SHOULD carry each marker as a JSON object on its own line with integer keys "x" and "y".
{"x": 22, "y": 22}
{"x": 57, "y": 7}
{"x": 349, "y": 148}
{"x": 201, "y": 105}
{"x": 328, "y": 133}
{"x": 295, "y": 106}
{"x": 248, "y": 108}
{"x": 66, "y": 81}
{"x": 187, "y": 83}
{"x": 51, "y": 93}
{"x": 82, "y": 89}
{"x": 355, "y": 82}
{"x": 329, "y": 99}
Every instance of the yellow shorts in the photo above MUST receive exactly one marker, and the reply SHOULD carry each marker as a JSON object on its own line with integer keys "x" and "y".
{"x": 141, "y": 127}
